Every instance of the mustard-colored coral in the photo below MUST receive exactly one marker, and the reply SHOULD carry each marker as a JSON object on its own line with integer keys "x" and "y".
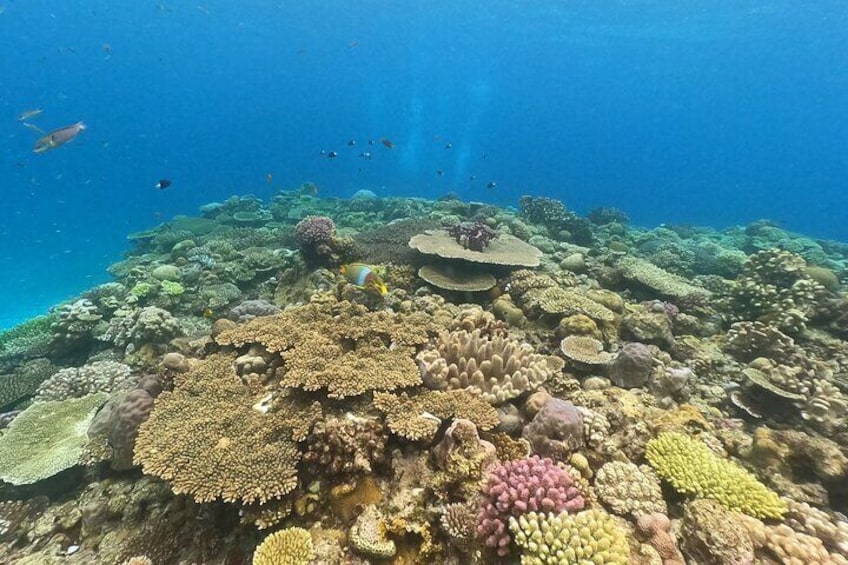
{"x": 496, "y": 368}
{"x": 292, "y": 546}
{"x": 419, "y": 416}
{"x": 586, "y": 538}
{"x": 340, "y": 347}
{"x": 556, "y": 300}
{"x": 692, "y": 468}
{"x": 658, "y": 279}
{"x": 368, "y": 535}
{"x": 206, "y": 439}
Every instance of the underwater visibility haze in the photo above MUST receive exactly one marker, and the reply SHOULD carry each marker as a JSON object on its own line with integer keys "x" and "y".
{"x": 292, "y": 283}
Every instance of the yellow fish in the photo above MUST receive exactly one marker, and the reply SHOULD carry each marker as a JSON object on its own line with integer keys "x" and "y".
{"x": 364, "y": 277}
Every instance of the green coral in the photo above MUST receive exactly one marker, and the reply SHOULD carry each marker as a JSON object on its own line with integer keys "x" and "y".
{"x": 46, "y": 438}
{"x": 692, "y": 468}
{"x": 590, "y": 537}
{"x": 143, "y": 289}
{"x": 172, "y": 288}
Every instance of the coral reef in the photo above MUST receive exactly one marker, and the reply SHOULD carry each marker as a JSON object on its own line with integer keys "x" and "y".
{"x": 291, "y": 546}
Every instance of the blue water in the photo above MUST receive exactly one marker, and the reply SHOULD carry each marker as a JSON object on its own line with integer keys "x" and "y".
{"x": 699, "y": 112}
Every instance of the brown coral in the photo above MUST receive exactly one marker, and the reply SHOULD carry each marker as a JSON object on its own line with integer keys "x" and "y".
{"x": 419, "y": 416}
{"x": 206, "y": 439}
{"x": 504, "y": 250}
{"x": 496, "y": 368}
{"x": 292, "y": 546}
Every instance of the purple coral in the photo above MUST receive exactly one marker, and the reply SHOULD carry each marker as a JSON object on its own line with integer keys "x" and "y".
{"x": 633, "y": 366}
{"x": 517, "y": 487}
{"x": 475, "y": 237}
{"x": 313, "y": 231}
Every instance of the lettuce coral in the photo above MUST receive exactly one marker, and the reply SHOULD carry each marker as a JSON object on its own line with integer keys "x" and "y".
{"x": 692, "y": 468}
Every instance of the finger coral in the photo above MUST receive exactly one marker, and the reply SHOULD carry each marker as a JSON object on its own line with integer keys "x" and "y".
{"x": 692, "y": 468}
{"x": 518, "y": 487}
{"x": 591, "y": 536}
{"x": 206, "y": 439}
{"x": 292, "y": 546}
{"x": 496, "y": 368}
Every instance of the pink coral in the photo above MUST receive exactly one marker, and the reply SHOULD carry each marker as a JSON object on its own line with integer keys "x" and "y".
{"x": 313, "y": 231}
{"x": 517, "y": 487}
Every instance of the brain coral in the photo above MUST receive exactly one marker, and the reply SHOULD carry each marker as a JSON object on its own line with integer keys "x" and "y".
{"x": 692, "y": 468}
{"x": 46, "y": 438}
{"x": 586, "y": 538}
{"x": 206, "y": 439}
{"x": 517, "y": 487}
{"x": 292, "y": 546}
{"x": 496, "y": 368}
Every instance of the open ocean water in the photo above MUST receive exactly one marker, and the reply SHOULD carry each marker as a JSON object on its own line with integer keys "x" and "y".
{"x": 685, "y": 112}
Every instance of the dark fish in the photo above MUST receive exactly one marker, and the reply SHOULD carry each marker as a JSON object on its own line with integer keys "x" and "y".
{"x": 351, "y": 143}
{"x": 365, "y": 155}
{"x": 472, "y": 177}
{"x": 163, "y": 184}
{"x": 332, "y": 155}
{"x": 58, "y": 137}
{"x": 492, "y": 185}
{"x": 387, "y": 142}
{"x": 449, "y": 145}
{"x": 440, "y": 172}
{"x": 370, "y": 142}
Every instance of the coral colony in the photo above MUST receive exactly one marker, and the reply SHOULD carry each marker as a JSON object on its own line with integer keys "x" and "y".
{"x": 526, "y": 386}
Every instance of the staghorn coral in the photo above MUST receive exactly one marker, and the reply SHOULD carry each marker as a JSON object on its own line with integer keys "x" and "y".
{"x": 73, "y": 382}
{"x": 591, "y": 536}
{"x": 496, "y": 368}
{"x": 206, "y": 439}
{"x": 628, "y": 489}
{"x": 517, "y": 487}
{"x": 291, "y": 546}
{"x": 692, "y": 468}
{"x": 341, "y": 347}
{"x": 419, "y": 416}
{"x": 46, "y": 438}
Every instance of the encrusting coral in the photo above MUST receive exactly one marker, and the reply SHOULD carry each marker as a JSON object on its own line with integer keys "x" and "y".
{"x": 692, "y": 468}
{"x": 496, "y": 368}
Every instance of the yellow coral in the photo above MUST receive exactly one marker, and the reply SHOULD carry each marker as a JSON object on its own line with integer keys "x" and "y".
{"x": 585, "y": 538}
{"x": 692, "y": 468}
{"x": 292, "y": 546}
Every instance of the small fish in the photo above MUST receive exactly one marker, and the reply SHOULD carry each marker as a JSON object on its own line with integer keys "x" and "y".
{"x": 472, "y": 178}
{"x": 268, "y": 178}
{"x": 365, "y": 155}
{"x": 440, "y": 172}
{"x": 364, "y": 277}
{"x": 34, "y": 128}
{"x": 300, "y": 52}
{"x": 107, "y": 50}
{"x": 353, "y": 44}
{"x": 163, "y": 184}
{"x": 29, "y": 114}
{"x": 351, "y": 143}
{"x": 332, "y": 155}
{"x": 449, "y": 146}
{"x": 371, "y": 142}
{"x": 387, "y": 142}
{"x": 492, "y": 185}
{"x": 58, "y": 137}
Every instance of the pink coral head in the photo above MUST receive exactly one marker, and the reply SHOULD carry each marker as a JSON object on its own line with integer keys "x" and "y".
{"x": 520, "y": 486}
{"x": 314, "y": 230}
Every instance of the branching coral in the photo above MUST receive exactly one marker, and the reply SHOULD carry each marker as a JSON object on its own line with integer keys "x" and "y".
{"x": 692, "y": 468}
{"x": 206, "y": 439}
{"x": 292, "y": 546}
{"x": 419, "y": 416}
{"x": 591, "y": 536}
{"x": 496, "y": 368}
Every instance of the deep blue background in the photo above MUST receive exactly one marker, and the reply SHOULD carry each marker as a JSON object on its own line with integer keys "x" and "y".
{"x": 677, "y": 112}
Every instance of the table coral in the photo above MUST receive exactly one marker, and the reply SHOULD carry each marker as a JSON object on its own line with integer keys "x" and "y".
{"x": 496, "y": 368}
{"x": 46, "y": 438}
{"x": 692, "y": 468}
{"x": 506, "y": 250}
{"x": 585, "y": 350}
{"x": 291, "y": 546}
{"x": 659, "y": 280}
{"x": 585, "y": 538}
{"x": 517, "y": 487}
{"x": 206, "y": 439}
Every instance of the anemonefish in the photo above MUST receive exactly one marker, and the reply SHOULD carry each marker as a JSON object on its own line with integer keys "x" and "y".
{"x": 364, "y": 277}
